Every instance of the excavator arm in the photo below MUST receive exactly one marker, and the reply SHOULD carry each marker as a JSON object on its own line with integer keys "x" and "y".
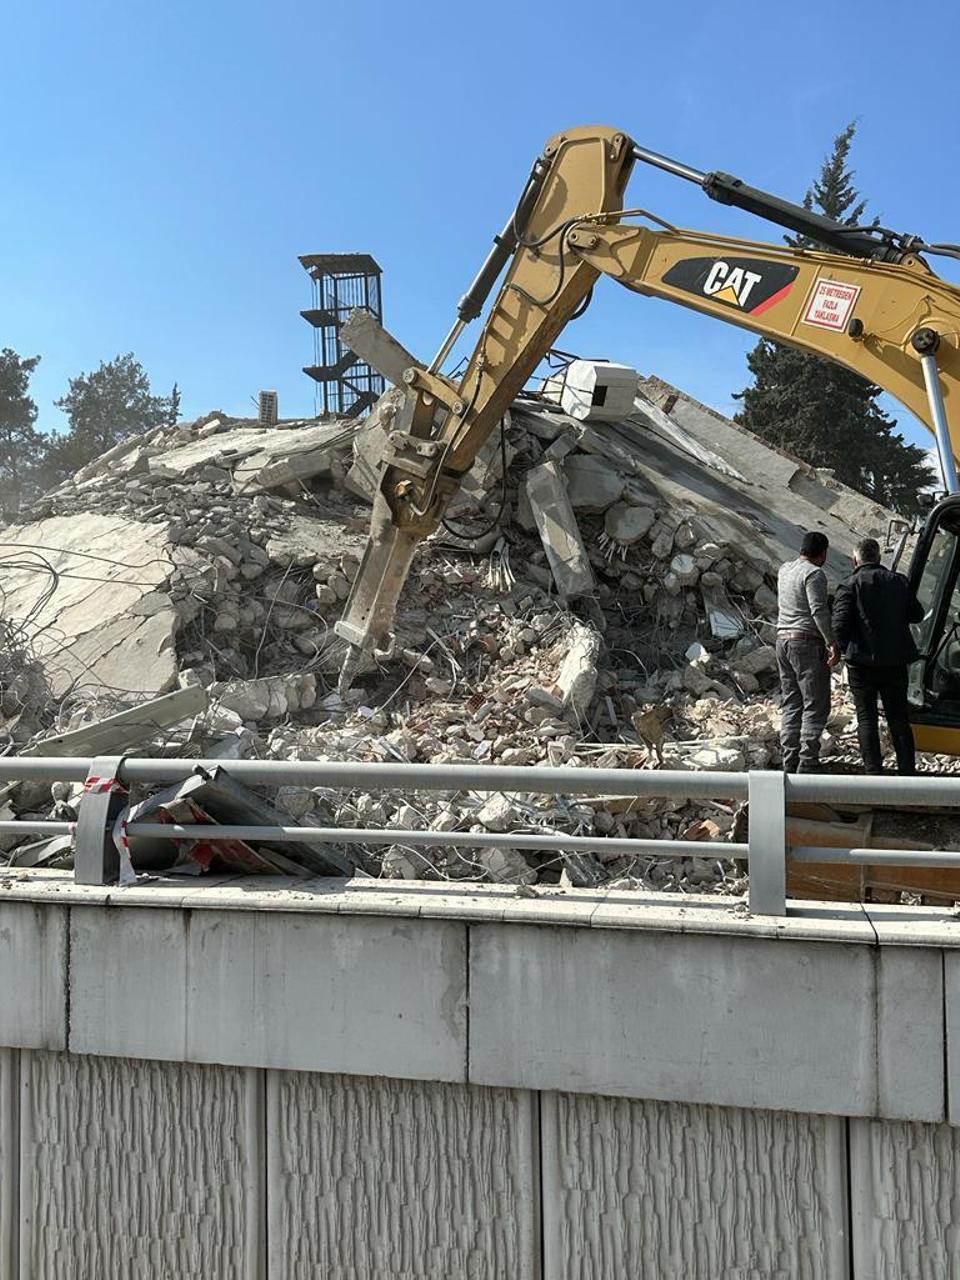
{"x": 882, "y": 313}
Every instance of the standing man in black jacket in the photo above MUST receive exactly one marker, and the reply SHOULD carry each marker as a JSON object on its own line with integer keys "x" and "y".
{"x": 871, "y": 617}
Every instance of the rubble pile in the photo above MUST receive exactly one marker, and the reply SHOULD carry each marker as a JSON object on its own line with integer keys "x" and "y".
{"x": 601, "y": 596}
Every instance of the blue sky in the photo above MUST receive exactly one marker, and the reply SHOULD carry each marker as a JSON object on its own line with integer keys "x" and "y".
{"x": 164, "y": 164}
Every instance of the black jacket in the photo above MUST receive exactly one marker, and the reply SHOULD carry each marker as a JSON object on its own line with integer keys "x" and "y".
{"x": 871, "y": 616}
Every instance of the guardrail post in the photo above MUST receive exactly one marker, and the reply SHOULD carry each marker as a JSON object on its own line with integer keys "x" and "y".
{"x": 96, "y": 858}
{"x": 768, "y": 844}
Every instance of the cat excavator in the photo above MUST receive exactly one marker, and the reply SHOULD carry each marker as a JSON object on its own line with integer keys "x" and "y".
{"x": 866, "y": 299}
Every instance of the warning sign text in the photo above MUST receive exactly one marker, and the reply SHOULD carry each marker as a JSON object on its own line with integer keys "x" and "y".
{"x": 831, "y": 304}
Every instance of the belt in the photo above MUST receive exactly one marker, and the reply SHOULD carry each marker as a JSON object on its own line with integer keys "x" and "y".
{"x": 801, "y": 635}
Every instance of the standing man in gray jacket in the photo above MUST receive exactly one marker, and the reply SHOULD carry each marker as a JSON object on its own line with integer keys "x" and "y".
{"x": 806, "y": 650}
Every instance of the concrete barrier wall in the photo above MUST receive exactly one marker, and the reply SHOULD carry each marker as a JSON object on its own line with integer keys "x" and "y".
{"x": 154, "y": 1170}
{"x": 242, "y": 1082}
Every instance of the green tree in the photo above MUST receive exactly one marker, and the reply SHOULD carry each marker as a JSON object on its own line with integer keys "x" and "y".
{"x": 21, "y": 444}
{"x": 103, "y": 408}
{"x": 825, "y": 414}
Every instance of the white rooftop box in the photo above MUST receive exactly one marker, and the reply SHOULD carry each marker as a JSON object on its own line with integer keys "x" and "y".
{"x": 597, "y": 391}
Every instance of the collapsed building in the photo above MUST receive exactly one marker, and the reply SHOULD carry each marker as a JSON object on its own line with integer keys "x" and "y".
{"x": 602, "y": 593}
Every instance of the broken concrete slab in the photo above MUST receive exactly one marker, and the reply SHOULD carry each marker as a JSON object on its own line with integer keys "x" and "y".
{"x": 290, "y": 456}
{"x": 74, "y": 583}
{"x": 557, "y": 526}
{"x": 506, "y": 866}
{"x": 363, "y": 333}
{"x": 223, "y": 449}
{"x": 592, "y": 484}
{"x": 781, "y": 497}
{"x": 498, "y": 814}
{"x": 303, "y": 540}
{"x": 116, "y": 734}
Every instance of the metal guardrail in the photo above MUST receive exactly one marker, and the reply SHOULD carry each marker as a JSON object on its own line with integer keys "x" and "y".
{"x": 106, "y": 779}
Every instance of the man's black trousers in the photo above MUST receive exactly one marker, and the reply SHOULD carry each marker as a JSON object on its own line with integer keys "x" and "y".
{"x": 889, "y": 684}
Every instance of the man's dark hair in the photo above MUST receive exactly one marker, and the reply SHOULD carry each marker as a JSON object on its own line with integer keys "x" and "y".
{"x": 868, "y": 551}
{"x": 814, "y": 545}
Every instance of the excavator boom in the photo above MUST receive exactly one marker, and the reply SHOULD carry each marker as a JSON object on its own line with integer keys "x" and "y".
{"x": 874, "y": 306}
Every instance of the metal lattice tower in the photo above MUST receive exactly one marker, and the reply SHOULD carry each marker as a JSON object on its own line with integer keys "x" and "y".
{"x": 341, "y": 282}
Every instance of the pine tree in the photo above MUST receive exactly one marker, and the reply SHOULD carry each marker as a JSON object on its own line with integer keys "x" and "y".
{"x": 103, "y": 408}
{"x": 825, "y": 414}
{"x": 21, "y": 444}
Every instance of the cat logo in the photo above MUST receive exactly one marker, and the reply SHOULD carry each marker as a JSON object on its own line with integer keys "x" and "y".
{"x": 747, "y": 284}
{"x": 730, "y": 284}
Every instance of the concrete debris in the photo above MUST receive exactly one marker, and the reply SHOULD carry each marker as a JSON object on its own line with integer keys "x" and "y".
{"x": 627, "y": 524}
{"x": 577, "y": 677}
{"x": 557, "y": 526}
{"x": 506, "y": 866}
{"x": 179, "y": 594}
{"x": 366, "y": 337}
{"x": 727, "y": 759}
{"x": 591, "y": 484}
{"x": 302, "y": 455}
{"x": 498, "y": 814}
{"x": 758, "y": 661}
{"x": 117, "y": 733}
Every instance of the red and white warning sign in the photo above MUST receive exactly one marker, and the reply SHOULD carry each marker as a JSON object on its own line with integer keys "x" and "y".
{"x": 831, "y": 304}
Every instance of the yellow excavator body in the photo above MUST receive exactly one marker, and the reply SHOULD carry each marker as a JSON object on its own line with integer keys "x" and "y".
{"x": 867, "y": 300}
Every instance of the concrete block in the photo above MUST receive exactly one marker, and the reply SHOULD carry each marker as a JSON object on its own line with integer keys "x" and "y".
{"x": 592, "y": 484}
{"x": 786, "y": 1026}
{"x": 366, "y": 337}
{"x": 903, "y": 1200}
{"x": 664, "y": 1189}
{"x": 328, "y": 993}
{"x": 33, "y": 956}
{"x": 911, "y": 1034}
{"x": 951, "y": 1000}
{"x": 140, "y": 1169}
{"x": 128, "y": 974}
{"x": 557, "y": 526}
{"x": 310, "y": 992}
{"x": 389, "y": 1178}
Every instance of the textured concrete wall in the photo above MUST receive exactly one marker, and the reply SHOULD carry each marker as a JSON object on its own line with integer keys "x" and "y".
{"x": 905, "y": 1192}
{"x": 380, "y": 1178}
{"x": 159, "y": 1171}
{"x": 139, "y": 1169}
{"x": 673, "y": 1191}
{"x": 284, "y": 1085}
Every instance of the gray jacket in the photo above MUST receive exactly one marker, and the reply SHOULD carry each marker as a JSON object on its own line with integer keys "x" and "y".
{"x": 802, "y": 599}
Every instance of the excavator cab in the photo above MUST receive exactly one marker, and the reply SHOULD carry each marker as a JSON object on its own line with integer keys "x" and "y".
{"x": 934, "y": 689}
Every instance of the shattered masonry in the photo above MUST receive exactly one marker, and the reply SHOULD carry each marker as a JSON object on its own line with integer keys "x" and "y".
{"x": 620, "y": 615}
